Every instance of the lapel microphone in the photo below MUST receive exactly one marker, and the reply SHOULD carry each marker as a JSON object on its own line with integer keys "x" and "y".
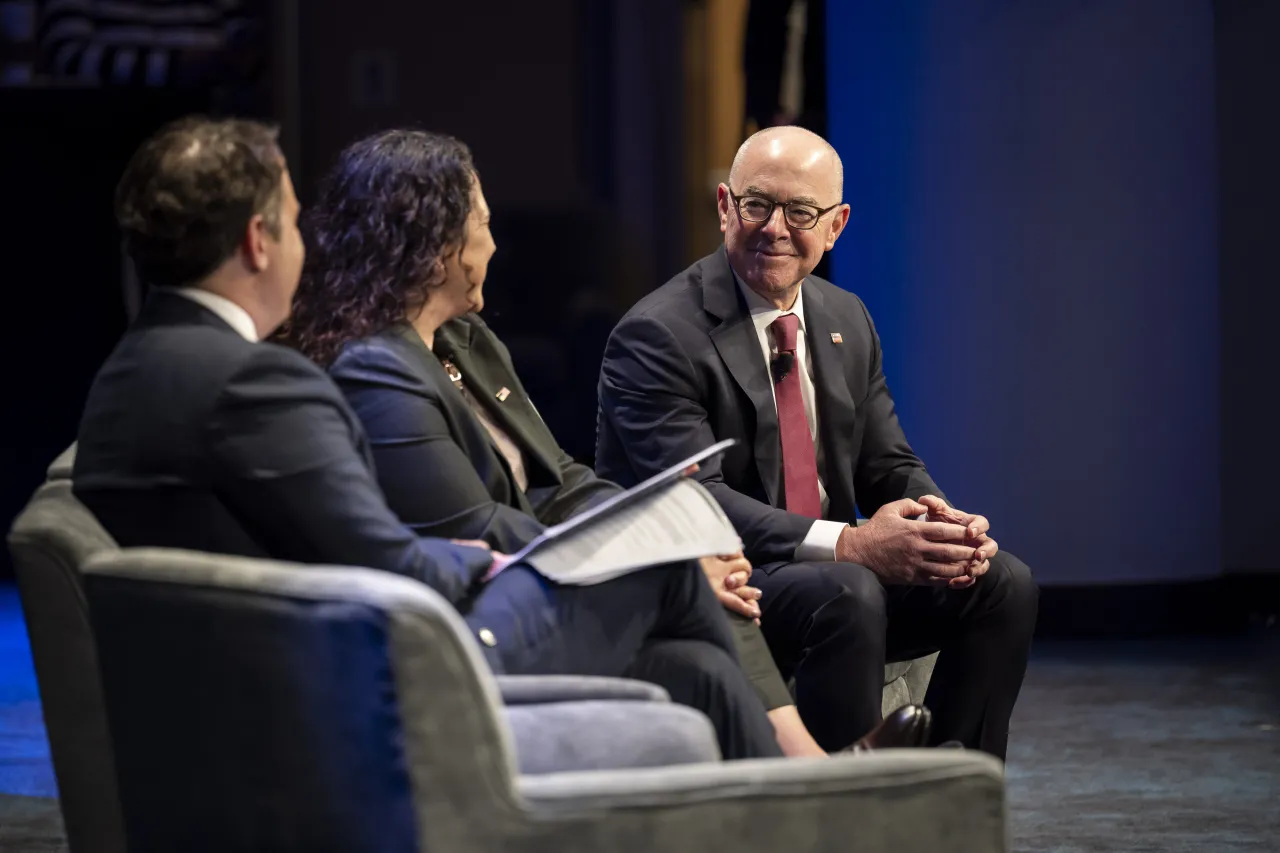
{"x": 781, "y": 366}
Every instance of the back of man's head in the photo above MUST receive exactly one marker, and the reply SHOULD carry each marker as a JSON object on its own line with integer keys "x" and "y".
{"x": 189, "y": 192}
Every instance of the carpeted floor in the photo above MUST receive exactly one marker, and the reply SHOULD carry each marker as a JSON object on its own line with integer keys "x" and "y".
{"x": 1157, "y": 746}
{"x": 1163, "y": 746}
{"x": 30, "y": 825}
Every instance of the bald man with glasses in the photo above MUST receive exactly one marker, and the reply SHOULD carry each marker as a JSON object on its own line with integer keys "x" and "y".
{"x": 748, "y": 344}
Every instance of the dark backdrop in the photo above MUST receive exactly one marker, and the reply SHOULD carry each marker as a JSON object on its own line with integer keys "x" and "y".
{"x": 61, "y": 153}
{"x": 572, "y": 108}
{"x": 1248, "y": 69}
{"x": 1096, "y": 178}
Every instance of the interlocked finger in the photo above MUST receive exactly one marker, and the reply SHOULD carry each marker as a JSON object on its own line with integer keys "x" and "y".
{"x": 944, "y": 571}
{"x": 942, "y": 552}
{"x": 938, "y": 531}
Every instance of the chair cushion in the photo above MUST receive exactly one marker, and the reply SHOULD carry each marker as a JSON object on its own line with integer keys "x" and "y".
{"x": 533, "y": 689}
{"x": 609, "y": 735}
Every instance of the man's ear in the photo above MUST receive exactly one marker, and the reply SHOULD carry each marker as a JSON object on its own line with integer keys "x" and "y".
{"x": 254, "y": 243}
{"x": 838, "y": 222}
{"x": 724, "y": 205}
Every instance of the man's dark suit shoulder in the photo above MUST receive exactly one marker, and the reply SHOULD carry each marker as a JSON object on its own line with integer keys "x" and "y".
{"x": 672, "y": 299}
{"x": 192, "y": 378}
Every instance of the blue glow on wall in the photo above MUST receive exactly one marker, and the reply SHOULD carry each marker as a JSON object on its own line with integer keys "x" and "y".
{"x": 1034, "y": 231}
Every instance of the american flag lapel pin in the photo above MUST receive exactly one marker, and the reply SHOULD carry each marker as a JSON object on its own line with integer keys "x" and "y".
{"x": 503, "y": 394}
{"x": 836, "y": 339}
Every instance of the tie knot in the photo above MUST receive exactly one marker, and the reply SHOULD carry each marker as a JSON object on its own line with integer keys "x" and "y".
{"x": 784, "y": 332}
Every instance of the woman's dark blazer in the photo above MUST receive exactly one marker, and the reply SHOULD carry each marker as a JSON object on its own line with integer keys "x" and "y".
{"x": 436, "y": 462}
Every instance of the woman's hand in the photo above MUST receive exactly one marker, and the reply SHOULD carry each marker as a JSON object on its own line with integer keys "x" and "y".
{"x": 728, "y": 576}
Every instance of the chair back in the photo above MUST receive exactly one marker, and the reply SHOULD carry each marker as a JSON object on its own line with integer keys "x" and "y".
{"x": 258, "y": 705}
{"x": 52, "y": 537}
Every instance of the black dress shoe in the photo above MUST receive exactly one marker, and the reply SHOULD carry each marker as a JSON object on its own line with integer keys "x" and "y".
{"x": 906, "y": 727}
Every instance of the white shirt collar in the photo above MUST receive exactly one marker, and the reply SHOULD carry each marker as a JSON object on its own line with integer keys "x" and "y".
{"x": 230, "y": 313}
{"x": 764, "y": 312}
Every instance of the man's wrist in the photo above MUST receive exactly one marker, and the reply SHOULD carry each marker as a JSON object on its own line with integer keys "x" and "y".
{"x": 849, "y": 545}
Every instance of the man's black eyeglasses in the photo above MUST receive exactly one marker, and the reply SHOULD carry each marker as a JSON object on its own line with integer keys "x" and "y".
{"x": 754, "y": 208}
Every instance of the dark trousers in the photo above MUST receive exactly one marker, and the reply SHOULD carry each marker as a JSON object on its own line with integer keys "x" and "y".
{"x": 663, "y": 625}
{"x": 833, "y": 626}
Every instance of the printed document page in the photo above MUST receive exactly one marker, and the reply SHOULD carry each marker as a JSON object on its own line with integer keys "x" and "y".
{"x": 679, "y": 522}
{"x": 666, "y": 518}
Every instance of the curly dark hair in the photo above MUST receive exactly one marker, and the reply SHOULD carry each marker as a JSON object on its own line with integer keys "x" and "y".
{"x": 391, "y": 210}
{"x": 188, "y": 193}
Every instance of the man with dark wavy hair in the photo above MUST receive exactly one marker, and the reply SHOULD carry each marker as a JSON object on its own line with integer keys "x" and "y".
{"x": 196, "y": 435}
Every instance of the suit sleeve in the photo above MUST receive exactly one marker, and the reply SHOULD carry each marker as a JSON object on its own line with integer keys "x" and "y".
{"x": 429, "y": 480}
{"x": 284, "y": 456}
{"x": 888, "y": 469}
{"x": 650, "y": 398}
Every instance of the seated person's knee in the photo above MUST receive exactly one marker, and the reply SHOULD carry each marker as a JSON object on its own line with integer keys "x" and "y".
{"x": 1011, "y": 579}
{"x": 859, "y": 598}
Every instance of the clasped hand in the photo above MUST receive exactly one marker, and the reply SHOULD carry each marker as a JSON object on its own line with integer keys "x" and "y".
{"x": 948, "y": 547}
{"x": 500, "y": 560}
{"x": 728, "y": 576}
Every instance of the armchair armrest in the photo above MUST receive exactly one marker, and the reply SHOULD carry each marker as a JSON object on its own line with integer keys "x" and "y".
{"x": 901, "y": 800}
{"x": 537, "y": 689}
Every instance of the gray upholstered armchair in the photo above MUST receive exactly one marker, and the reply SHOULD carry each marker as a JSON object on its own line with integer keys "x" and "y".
{"x": 262, "y": 705}
{"x": 558, "y": 723}
{"x": 560, "y": 726}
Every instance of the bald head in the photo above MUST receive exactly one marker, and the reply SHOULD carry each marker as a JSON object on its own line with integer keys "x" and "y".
{"x": 781, "y": 210}
{"x": 796, "y": 150}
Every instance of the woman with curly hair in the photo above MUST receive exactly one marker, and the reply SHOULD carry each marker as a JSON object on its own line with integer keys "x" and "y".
{"x": 399, "y": 246}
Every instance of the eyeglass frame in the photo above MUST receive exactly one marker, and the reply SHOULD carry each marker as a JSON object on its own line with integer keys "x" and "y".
{"x": 774, "y": 204}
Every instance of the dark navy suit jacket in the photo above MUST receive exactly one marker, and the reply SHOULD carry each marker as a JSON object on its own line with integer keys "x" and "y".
{"x": 684, "y": 369}
{"x": 437, "y": 463}
{"x": 193, "y": 437}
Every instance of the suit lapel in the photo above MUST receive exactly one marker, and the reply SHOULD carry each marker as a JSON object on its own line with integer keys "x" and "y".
{"x": 837, "y": 414}
{"x": 738, "y": 344}
{"x": 485, "y": 373}
{"x": 458, "y": 409}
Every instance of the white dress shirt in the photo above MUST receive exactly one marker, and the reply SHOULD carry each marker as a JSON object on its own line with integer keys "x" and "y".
{"x": 819, "y": 543}
{"x": 232, "y": 314}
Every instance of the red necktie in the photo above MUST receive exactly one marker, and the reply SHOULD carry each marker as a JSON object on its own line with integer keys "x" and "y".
{"x": 799, "y": 466}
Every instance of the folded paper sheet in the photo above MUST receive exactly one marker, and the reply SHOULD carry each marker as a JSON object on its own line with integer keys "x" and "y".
{"x": 665, "y": 519}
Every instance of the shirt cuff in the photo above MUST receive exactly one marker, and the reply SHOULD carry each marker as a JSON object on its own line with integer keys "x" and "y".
{"x": 819, "y": 543}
